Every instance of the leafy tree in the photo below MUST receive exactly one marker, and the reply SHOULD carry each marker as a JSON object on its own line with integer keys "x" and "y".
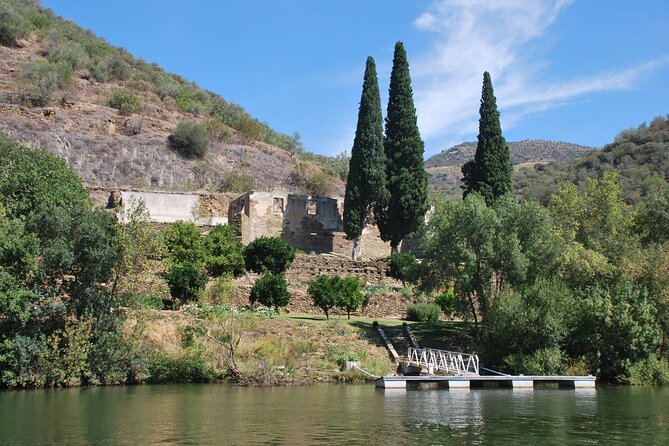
{"x": 225, "y": 253}
{"x": 270, "y": 290}
{"x": 32, "y": 177}
{"x": 652, "y": 219}
{"x": 350, "y": 294}
{"x": 184, "y": 243}
{"x": 402, "y": 266}
{"x": 190, "y": 139}
{"x": 324, "y": 293}
{"x": 186, "y": 281}
{"x": 238, "y": 182}
{"x": 404, "y": 210}
{"x": 365, "y": 185}
{"x": 268, "y": 255}
{"x": 489, "y": 173}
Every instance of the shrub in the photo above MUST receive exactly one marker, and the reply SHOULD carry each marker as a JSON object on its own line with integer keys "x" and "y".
{"x": 649, "y": 371}
{"x": 12, "y": 26}
{"x": 68, "y": 52}
{"x": 423, "y": 312}
{"x": 180, "y": 369}
{"x": 186, "y": 282}
{"x": 446, "y": 302}
{"x": 238, "y": 182}
{"x": 225, "y": 253}
{"x": 190, "y": 139}
{"x": 40, "y": 80}
{"x": 270, "y": 290}
{"x": 548, "y": 361}
{"x": 401, "y": 266}
{"x": 219, "y": 292}
{"x": 118, "y": 68}
{"x": 125, "y": 102}
{"x": 319, "y": 183}
{"x": 148, "y": 301}
{"x": 191, "y": 101}
{"x": 218, "y": 130}
{"x": 268, "y": 254}
{"x": 323, "y": 292}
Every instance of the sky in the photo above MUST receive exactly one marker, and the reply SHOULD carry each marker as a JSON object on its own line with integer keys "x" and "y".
{"x": 579, "y": 71}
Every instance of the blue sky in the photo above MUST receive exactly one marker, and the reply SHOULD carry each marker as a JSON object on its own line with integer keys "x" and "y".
{"x": 569, "y": 70}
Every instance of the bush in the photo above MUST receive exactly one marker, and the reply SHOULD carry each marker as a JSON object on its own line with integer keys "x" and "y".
{"x": 548, "y": 361}
{"x": 12, "y": 26}
{"x": 238, "y": 182}
{"x": 220, "y": 291}
{"x": 186, "y": 282}
{"x": 401, "y": 266}
{"x": 191, "y": 101}
{"x": 148, "y": 301}
{"x": 270, "y": 290}
{"x": 319, "y": 184}
{"x": 225, "y": 253}
{"x": 649, "y": 371}
{"x": 423, "y": 312}
{"x": 218, "y": 130}
{"x": 190, "y": 139}
{"x": 268, "y": 254}
{"x": 40, "y": 80}
{"x": 446, "y": 302}
{"x": 125, "y": 102}
{"x": 180, "y": 369}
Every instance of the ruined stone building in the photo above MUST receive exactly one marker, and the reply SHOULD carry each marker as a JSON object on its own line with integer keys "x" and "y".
{"x": 312, "y": 224}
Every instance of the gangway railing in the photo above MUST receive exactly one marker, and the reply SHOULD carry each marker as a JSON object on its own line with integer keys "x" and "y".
{"x": 453, "y": 363}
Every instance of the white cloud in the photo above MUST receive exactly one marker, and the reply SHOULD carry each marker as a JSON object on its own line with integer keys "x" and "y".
{"x": 499, "y": 36}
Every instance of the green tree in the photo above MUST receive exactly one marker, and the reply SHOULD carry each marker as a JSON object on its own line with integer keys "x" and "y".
{"x": 268, "y": 255}
{"x": 324, "y": 293}
{"x": 401, "y": 266}
{"x": 404, "y": 210}
{"x": 184, "y": 243}
{"x": 365, "y": 185}
{"x": 225, "y": 253}
{"x": 489, "y": 173}
{"x": 270, "y": 290}
{"x": 350, "y": 294}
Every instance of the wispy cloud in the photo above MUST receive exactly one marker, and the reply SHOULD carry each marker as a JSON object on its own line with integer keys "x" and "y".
{"x": 500, "y": 36}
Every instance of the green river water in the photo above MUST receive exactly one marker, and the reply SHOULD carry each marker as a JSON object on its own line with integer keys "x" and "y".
{"x": 332, "y": 415}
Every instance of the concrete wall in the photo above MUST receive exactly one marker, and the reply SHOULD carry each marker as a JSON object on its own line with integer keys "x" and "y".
{"x": 168, "y": 207}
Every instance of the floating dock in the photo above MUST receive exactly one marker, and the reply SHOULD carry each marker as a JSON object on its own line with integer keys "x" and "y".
{"x": 478, "y": 381}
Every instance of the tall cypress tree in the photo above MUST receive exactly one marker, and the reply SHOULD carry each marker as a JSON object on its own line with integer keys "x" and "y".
{"x": 366, "y": 183}
{"x": 406, "y": 178}
{"x": 489, "y": 173}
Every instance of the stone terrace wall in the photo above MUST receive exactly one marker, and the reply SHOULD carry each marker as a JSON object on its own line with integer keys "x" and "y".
{"x": 381, "y": 304}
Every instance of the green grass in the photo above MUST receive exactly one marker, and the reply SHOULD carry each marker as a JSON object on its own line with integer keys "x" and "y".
{"x": 444, "y": 335}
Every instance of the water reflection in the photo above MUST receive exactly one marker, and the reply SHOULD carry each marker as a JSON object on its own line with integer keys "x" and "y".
{"x": 333, "y": 414}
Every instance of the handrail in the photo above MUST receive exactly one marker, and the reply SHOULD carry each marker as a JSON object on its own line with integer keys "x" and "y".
{"x": 453, "y": 363}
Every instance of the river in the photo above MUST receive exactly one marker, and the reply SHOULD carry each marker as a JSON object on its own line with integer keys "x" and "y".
{"x": 331, "y": 415}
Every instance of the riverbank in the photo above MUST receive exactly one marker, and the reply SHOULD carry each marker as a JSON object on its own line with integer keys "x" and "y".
{"x": 200, "y": 345}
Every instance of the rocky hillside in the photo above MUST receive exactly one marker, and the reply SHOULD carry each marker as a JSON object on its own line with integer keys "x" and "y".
{"x": 60, "y": 88}
{"x": 444, "y": 172}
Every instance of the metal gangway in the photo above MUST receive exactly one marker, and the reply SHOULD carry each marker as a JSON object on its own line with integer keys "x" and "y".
{"x": 453, "y": 363}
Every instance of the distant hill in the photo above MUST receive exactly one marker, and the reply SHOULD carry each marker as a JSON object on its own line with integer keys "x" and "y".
{"x": 444, "y": 172}
{"x": 640, "y": 156}
{"x": 110, "y": 114}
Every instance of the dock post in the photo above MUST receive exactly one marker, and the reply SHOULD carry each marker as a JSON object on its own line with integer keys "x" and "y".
{"x": 522, "y": 383}
{"x": 391, "y": 383}
{"x": 458, "y": 384}
{"x": 584, "y": 384}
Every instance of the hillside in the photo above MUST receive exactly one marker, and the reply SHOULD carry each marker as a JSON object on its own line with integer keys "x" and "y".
{"x": 59, "y": 90}
{"x": 444, "y": 172}
{"x": 640, "y": 156}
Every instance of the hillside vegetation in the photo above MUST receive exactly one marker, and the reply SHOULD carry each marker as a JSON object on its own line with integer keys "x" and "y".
{"x": 110, "y": 114}
{"x": 444, "y": 169}
{"x": 640, "y": 156}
